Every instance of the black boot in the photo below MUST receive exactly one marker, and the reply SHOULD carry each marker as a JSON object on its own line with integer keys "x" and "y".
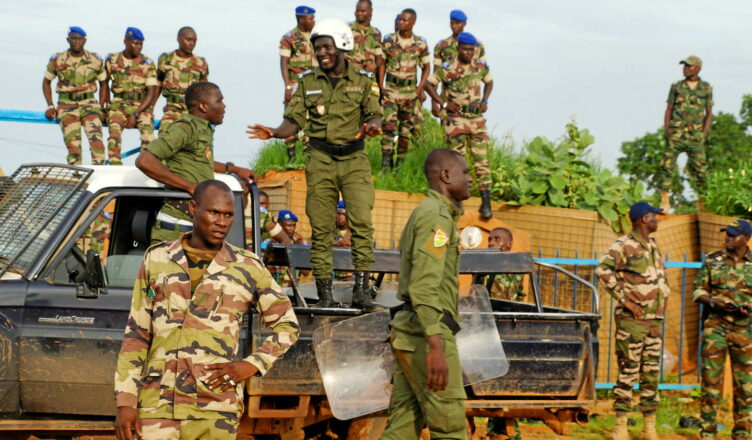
{"x": 324, "y": 290}
{"x": 386, "y": 161}
{"x": 362, "y": 293}
{"x": 485, "y": 206}
{"x": 291, "y": 156}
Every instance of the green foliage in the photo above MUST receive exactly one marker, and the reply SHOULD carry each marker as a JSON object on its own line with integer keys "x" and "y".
{"x": 729, "y": 191}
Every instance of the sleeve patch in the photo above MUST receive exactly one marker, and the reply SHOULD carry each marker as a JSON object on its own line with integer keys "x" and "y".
{"x": 440, "y": 238}
{"x": 375, "y": 91}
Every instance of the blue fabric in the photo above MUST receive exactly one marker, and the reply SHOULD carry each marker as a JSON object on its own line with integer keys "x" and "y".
{"x": 467, "y": 38}
{"x": 134, "y": 33}
{"x": 288, "y": 215}
{"x": 304, "y": 10}
{"x": 457, "y": 15}
{"x": 641, "y": 209}
{"x": 76, "y": 30}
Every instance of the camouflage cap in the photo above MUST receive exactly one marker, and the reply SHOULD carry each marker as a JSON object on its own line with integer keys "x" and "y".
{"x": 738, "y": 227}
{"x": 691, "y": 61}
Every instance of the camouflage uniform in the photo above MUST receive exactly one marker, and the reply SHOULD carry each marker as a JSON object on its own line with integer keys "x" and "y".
{"x": 296, "y": 45}
{"x": 367, "y": 49}
{"x": 461, "y": 84}
{"x": 722, "y": 277}
{"x": 508, "y": 286}
{"x": 334, "y": 115}
{"x": 429, "y": 282}
{"x": 175, "y": 74}
{"x": 447, "y": 50}
{"x": 130, "y": 78}
{"x": 399, "y": 97}
{"x": 187, "y": 149}
{"x": 77, "y": 104}
{"x": 685, "y": 132}
{"x": 633, "y": 269}
{"x": 175, "y": 329}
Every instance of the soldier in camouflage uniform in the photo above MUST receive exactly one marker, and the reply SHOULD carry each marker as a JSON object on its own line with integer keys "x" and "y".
{"x": 464, "y": 124}
{"x": 724, "y": 287}
{"x": 689, "y": 113}
{"x": 77, "y": 72}
{"x": 184, "y": 155}
{"x": 367, "y": 53}
{"x": 178, "y": 373}
{"x": 176, "y": 71}
{"x": 447, "y": 50}
{"x": 509, "y": 285}
{"x": 134, "y": 87}
{"x": 633, "y": 272}
{"x": 404, "y": 53}
{"x": 295, "y": 57}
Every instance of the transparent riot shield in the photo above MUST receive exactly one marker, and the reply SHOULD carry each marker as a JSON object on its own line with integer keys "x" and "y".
{"x": 356, "y": 361}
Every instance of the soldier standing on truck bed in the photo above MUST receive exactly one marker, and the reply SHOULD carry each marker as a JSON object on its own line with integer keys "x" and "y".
{"x": 686, "y": 125}
{"x": 175, "y": 375}
{"x": 464, "y": 124}
{"x": 183, "y": 156}
{"x": 724, "y": 287}
{"x": 295, "y": 57}
{"x": 427, "y": 382}
{"x": 134, "y": 87}
{"x": 77, "y": 72}
{"x": 176, "y": 71}
{"x": 633, "y": 272}
{"x": 337, "y": 106}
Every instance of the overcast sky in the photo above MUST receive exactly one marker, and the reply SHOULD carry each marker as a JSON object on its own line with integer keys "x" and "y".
{"x": 606, "y": 63}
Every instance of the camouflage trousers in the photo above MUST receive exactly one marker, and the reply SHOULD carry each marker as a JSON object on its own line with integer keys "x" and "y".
{"x": 720, "y": 338}
{"x": 461, "y": 133}
{"x": 169, "y": 429}
{"x": 398, "y": 114}
{"x": 74, "y": 115}
{"x": 697, "y": 164}
{"x": 638, "y": 354}
{"x": 117, "y": 118}
{"x": 419, "y": 118}
{"x": 172, "y": 112}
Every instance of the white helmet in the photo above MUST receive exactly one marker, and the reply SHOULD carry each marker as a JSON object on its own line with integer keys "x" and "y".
{"x": 338, "y": 30}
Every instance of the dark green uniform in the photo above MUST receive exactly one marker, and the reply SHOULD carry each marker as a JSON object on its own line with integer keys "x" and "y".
{"x": 331, "y": 116}
{"x": 429, "y": 281}
{"x": 186, "y": 148}
{"x": 722, "y": 277}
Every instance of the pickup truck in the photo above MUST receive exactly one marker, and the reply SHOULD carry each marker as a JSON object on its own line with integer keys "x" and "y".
{"x": 71, "y": 241}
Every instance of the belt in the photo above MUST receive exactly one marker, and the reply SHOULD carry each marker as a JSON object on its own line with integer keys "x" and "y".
{"x": 179, "y": 204}
{"x": 334, "y": 149}
{"x": 446, "y": 318}
{"x": 174, "y": 226}
{"x": 136, "y": 96}
{"x": 400, "y": 81}
{"x": 470, "y": 110}
{"x": 175, "y": 99}
{"x": 76, "y": 96}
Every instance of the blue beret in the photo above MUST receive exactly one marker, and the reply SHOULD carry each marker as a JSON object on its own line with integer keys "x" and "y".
{"x": 641, "y": 209}
{"x": 134, "y": 33}
{"x": 457, "y": 15}
{"x": 304, "y": 10}
{"x": 287, "y": 215}
{"x": 738, "y": 227}
{"x": 467, "y": 38}
{"x": 76, "y": 30}
{"x": 341, "y": 205}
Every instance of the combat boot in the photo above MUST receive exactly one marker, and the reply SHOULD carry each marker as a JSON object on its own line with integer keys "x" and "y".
{"x": 620, "y": 428}
{"x": 665, "y": 202}
{"x": 485, "y": 206}
{"x": 387, "y": 163}
{"x": 324, "y": 290}
{"x": 291, "y": 156}
{"x": 648, "y": 428}
{"x": 362, "y": 293}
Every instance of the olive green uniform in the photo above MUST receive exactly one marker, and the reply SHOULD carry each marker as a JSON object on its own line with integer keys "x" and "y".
{"x": 186, "y": 148}
{"x": 429, "y": 282}
{"x": 331, "y": 116}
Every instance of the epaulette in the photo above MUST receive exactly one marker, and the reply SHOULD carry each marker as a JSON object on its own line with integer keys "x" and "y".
{"x": 287, "y": 35}
{"x": 350, "y": 23}
{"x": 366, "y": 73}
{"x": 717, "y": 255}
{"x": 246, "y": 253}
{"x": 54, "y": 56}
{"x": 445, "y": 64}
{"x": 483, "y": 63}
{"x": 148, "y": 61}
{"x": 307, "y": 72}
{"x": 96, "y": 55}
{"x": 388, "y": 37}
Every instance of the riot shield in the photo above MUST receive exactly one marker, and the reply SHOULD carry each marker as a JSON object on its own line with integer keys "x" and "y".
{"x": 356, "y": 361}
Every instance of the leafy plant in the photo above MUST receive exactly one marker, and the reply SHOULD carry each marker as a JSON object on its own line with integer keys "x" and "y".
{"x": 729, "y": 192}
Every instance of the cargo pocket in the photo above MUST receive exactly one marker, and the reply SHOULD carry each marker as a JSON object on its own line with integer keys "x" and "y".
{"x": 151, "y": 384}
{"x": 211, "y": 400}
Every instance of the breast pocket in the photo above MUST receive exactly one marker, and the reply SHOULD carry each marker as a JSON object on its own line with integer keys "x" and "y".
{"x": 350, "y": 101}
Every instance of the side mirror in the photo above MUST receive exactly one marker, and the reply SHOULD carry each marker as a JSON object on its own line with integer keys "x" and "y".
{"x": 94, "y": 280}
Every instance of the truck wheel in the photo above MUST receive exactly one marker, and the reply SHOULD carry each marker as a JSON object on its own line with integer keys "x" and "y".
{"x": 366, "y": 428}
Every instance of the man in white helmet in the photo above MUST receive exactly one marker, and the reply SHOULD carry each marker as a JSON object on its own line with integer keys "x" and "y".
{"x": 336, "y": 106}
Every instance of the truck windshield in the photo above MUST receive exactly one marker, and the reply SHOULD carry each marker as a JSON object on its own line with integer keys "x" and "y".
{"x": 34, "y": 201}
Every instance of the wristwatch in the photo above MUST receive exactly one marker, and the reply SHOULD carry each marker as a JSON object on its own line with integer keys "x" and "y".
{"x": 288, "y": 87}
{"x": 443, "y": 105}
{"x": 227, "y": 167}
